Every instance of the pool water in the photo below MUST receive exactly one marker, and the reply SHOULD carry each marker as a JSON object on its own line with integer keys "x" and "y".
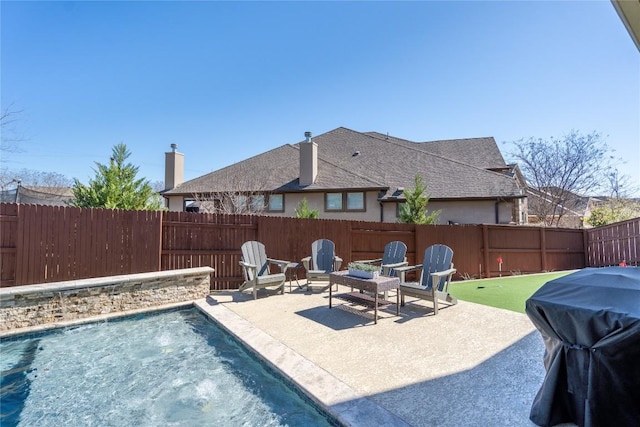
{"x": 175, "y": 368}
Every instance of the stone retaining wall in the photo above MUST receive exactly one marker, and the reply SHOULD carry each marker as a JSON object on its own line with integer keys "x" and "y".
{"x": 33, "y": 305}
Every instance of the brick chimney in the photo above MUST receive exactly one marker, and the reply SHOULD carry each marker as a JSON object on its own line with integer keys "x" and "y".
{"x": 308, "y": 160}
{"x": 173, "y": 168}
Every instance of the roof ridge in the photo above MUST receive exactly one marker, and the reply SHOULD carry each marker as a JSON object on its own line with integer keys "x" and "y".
{"x": 458, "y": 139}
{"x": 55, "y": 191}
{"x": 375, "y": 133}
{"x": 416, "y": 149}
{"x": 439, "y": 156}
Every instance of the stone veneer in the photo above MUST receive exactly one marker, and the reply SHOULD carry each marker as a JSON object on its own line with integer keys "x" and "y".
{"x": 33, "y": 305}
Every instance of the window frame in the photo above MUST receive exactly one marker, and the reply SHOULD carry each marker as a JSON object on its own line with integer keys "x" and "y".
{"x": 346, "y": 201}
{"x": 261, "y": 207}
{"x": 343, "y": 200}
{"x": 268, "y": 203}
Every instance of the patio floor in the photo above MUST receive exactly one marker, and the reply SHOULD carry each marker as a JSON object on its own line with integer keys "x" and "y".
{"x": 470, "y": 365}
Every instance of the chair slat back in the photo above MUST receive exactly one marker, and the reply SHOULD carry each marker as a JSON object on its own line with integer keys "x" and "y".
{"x": 394, "y": 252}
{"x": 323, "y": 255}
{"x": 254, "y": 253}
{"x": 436, "y": 258}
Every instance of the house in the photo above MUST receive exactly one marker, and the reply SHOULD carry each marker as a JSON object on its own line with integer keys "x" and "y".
{"x": 38, "y": 195}
{"x": 558, "y": 207}
{"x": 629, "y": 13}
{"x": 346, "y": 174}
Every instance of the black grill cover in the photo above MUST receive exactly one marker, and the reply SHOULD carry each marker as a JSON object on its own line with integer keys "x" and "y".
{"x": 590, "y": 324}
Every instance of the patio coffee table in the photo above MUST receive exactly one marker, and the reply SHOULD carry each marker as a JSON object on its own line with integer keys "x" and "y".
{"x": 377, "y": 285}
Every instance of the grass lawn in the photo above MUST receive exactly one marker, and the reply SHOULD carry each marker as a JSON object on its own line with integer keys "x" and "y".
{"x": 505, "y": 292}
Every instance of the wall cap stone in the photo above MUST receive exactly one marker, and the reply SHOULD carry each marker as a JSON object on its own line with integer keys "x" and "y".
{"x": 10, "y": 292}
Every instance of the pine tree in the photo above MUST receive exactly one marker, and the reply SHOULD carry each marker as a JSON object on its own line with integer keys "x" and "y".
{"x": 303, "y": 211}
{"x": 115, "y": 186}
{"x": 414, "y": 210}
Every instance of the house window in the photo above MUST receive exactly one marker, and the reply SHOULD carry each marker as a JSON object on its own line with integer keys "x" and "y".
{"x": 349, "y": 201}
{"x": 276, "y": 203}
{"x": 257, "y": 203}
{"x": 333, "y": 201}
{"x": 240, "y": 203}
{"x": 355, "y": 201}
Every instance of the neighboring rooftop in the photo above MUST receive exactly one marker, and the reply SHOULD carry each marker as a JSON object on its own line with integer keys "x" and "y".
{"x": 452, "y": 169}
{"x": 38, "y": 195}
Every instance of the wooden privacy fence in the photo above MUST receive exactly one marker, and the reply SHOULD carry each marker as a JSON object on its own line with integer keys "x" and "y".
{"x": 612, "y": 244}
{"x": 41, "y": 244}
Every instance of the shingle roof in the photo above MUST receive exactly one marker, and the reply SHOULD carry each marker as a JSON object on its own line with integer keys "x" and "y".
{"x": 570, "y": 203}
{"x": 479, "y": 152}
{"x": 382, "y": 163}
{"x": 53, "y": 196}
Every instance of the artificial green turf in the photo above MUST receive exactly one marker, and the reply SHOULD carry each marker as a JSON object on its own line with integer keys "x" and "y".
{"x": 506, "y": 292}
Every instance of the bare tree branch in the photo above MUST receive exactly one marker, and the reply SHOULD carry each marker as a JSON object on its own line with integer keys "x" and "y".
{"x": 9, "y": 139}
{"x": 559, "y": 170}
{"x": 237, "y": 194}
{"x": 29, "y": 177}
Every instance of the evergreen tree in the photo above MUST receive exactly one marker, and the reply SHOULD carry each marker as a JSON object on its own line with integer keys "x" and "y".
{"x": 115, "y": 186}
{"x": 414, "y": 210}
{"x": 303, "y": 211}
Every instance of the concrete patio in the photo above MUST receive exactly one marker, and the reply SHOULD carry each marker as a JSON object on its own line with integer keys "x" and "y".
{"x": 471, "y": 365}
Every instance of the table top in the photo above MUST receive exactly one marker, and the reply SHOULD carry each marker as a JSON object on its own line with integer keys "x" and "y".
{"x": 294, "y": 265}
{"x": 380, "y": 283}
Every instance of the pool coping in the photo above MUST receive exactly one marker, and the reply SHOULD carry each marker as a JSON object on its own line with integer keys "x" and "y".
{"x": 335, "y": 397}
{"x": 6, "y": 293}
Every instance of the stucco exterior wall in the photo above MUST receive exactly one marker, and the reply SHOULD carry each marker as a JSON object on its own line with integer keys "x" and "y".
{"x": 462, "y": 212}
{"x": 316, "y": 201}
{"x": 175, "y": 203}
{"x": 473, "y": 212}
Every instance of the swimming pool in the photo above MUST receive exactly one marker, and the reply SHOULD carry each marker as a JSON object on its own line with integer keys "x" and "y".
{"x": 173, "y": 368}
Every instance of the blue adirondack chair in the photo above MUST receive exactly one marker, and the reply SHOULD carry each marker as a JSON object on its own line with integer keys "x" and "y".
{"x": 322, "y": 262}
{"x": 393, "y": 256}
{"x": 437, "y": 270}
{"x": 256, "y": 269}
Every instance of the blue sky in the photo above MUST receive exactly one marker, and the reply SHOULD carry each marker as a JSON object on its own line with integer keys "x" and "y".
{"x": 229, "y": 80}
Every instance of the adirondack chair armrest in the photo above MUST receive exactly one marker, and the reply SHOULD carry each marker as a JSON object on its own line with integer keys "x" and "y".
{"x": 437, "y": 276}
{"x": 337, "y": 262}
{"x": 407, "y": 268}
{"x": 305, "y": 262}
{"x": 280, "y": 263}
{"x": 404, "y": 270}
{"x": 441, "y": 274}
{"x": 395, "y": 265}
{"x": 248, "y": 266}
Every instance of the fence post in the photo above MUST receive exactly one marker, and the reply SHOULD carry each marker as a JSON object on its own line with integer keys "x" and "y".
{"x": 543, "y": 249}
{"x": 160, "y": 239}
{"x": 485, "y": 245}
{"x": 585, "y": 245}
